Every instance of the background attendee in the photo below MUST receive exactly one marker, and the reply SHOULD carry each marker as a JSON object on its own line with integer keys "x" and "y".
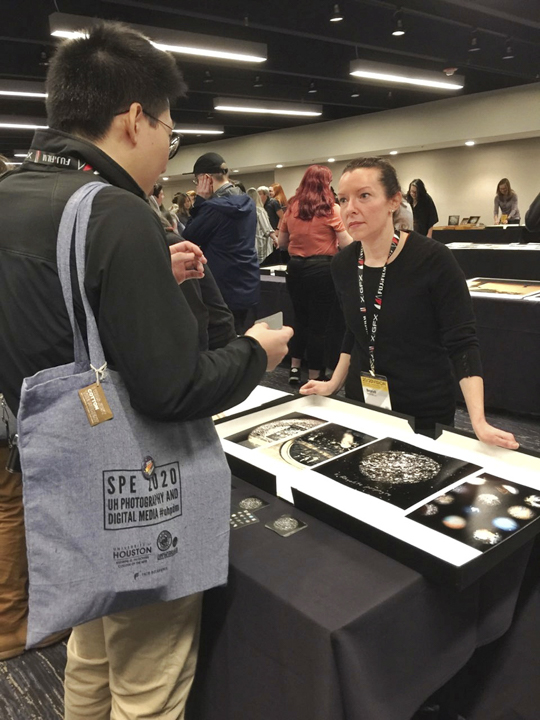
{"x": 505, "y": 203}
{"x": 157, "y": 196}
{"x": 532, "y": 217}
{"x": 424, "y": 316}
{"x": 312, "y": 232}
{"x": 184, "y": 203}
{"x": 109, "y": 98}
{"x": 277, "y": 193}
{"x": 423, "y": 207}
{"x": 223, "y": 222}
{"x": 272, "y": 207}
{"x": 265, "y": 235}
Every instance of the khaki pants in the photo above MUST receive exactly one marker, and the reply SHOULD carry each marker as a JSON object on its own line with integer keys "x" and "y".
{"x": 135, "y": 665}
{"x": 13, "y": 564}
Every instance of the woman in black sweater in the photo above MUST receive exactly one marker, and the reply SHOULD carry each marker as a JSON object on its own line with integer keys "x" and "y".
{"x": 423, "y": 207}
{"x": 426, "y": 321}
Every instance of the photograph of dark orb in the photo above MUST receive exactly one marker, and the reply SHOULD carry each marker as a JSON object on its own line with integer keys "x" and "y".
{"x": 396, "y": 472}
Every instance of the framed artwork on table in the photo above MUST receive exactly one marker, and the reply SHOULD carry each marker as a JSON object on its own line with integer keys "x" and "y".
{"x": 473, "y": 220}
{"x": 453, "y": 219}
{"x": 464, "y": 221}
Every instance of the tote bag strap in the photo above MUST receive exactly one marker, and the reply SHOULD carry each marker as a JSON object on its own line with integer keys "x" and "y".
{"x": 75, "y": 219}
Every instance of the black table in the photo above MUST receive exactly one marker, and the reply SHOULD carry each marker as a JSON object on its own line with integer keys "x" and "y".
{"x": 494, "y": 234}
{"x": 520, "y": 263}
{"x": 509, "y": 336}
{"x": 320, "y": 626}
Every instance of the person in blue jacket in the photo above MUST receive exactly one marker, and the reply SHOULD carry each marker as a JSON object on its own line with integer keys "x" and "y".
{"x": 223, "y": 223}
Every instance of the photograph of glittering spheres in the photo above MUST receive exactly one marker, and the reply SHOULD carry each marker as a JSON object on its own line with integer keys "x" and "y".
{"x": 275, "y": 430}
{"x": 319, "y": 445}
{"x": 396, "y": 472}
{"x": 482, "y": 511}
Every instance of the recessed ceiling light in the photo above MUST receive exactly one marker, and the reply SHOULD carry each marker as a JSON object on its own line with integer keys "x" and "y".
{"x": 470, "y": 143}
{"x": 236, "y": 171}
{"x": 331, "y": 160}
{"x": 279, "y": 166}
{"x": 165, "y": 179}
{"x": 266, "y": 107}
{"x": 397, "y": 75}
{"x": 393, "y": 152}
{"x": 176, "y": 41}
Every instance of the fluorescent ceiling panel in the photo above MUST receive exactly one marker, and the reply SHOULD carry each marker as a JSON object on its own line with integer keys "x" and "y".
{"x": 266, "y": 107}
{"x": 381, "y": 73}
{"x": 176, "y": 41}
{"x": 22, "y": 88}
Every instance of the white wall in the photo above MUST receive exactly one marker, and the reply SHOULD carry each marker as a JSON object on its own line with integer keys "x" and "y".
{"x": 462, "y": 181}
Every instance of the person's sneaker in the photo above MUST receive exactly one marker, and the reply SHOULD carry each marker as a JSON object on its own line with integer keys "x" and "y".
{"x": 294, "y": 376}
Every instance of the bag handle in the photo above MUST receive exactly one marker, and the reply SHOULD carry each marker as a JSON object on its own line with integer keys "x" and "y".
{"x": 75, "y": 220}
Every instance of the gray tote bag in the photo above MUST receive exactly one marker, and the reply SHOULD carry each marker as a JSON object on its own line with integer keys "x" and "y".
{"x": 121, "y": 514}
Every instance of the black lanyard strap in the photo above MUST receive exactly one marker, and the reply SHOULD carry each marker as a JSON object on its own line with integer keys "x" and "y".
{"x": 41, "y": 157}
{"x": 377, "y": 303}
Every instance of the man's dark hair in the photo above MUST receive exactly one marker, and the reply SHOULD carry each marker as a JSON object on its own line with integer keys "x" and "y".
{"x": 91, "y": 79}
{"x": 388, "y": 177}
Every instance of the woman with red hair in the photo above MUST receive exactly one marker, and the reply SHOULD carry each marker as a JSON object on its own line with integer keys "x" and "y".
{"x": 312, "y": 231}
{"x": 277, "y": 192}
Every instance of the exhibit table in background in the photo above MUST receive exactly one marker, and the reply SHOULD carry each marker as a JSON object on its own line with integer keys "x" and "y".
{"x": 503, "y": 261}
{"x": 509, "y": 336}
{"x": 489, "y": 234}
{"x": 319, "y": 626}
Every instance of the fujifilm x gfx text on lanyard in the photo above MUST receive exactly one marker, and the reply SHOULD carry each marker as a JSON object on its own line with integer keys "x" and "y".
{"x": 375, "y": 387}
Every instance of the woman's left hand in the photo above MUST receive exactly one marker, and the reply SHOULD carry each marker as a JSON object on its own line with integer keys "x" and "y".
{"x": 493, "y": 436}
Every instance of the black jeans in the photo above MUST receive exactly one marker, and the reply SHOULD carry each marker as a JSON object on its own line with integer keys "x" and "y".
{"x": 314, "y": 299}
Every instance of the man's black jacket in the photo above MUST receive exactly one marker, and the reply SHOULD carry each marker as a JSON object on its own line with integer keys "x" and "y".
{"x": 149, "y": 334}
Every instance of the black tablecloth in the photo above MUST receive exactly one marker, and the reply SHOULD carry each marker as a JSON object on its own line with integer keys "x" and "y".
{"x": 320, "y": 626}
{"x": 509, "y": 336}
{"x": 519, "y": 264}
{"x": 499, "y": 234}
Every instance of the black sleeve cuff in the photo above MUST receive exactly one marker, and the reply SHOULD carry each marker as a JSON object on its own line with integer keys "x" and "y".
{"x": 467, "y": 363}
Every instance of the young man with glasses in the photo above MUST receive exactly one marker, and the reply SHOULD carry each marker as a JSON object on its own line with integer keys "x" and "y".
{"x": 109, "y": 119}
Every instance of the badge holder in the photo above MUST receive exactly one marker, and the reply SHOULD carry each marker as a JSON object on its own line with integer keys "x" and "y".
{"x": 376, "y": 391}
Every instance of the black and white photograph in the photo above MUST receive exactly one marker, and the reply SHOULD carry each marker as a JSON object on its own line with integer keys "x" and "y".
{"x": 275, "y": 430}
{"x": 396, "y": 472}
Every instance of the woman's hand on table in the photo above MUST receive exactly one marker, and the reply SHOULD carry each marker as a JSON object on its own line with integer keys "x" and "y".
{"x": 494, "y": 436}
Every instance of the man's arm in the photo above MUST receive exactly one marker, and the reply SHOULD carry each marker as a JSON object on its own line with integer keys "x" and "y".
{"x": 149, "y": 334}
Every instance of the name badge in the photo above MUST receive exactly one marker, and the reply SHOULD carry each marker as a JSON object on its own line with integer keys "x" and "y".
{"x": 376, "y": 390}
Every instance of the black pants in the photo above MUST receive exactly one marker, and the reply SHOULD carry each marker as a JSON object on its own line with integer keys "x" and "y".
{"x": 314, "y": 299}
{"x": 244, "y": 318}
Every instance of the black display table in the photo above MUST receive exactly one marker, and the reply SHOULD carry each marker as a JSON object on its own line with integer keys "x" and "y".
{"x": 320, "y": 626}
{"x": 521, "y": 263}
{"x": 490, "y": 234}
{"x": 509, "y": 336}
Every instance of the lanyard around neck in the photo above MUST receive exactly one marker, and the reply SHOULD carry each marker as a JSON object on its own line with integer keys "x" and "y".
{"x": 377, "y": 303}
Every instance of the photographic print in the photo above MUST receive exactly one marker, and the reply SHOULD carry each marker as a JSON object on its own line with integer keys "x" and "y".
{"x": 318, "y": 445}
{"x": 273, "y": 431}
{"x": 481, "y": 512}
{"x": 396, "y": 472}
{"x": 453, "y": 219}
{"x": 512, "y": 288}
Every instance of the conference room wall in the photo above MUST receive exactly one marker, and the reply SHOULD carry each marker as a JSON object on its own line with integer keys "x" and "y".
{"x": 461, "y": 180}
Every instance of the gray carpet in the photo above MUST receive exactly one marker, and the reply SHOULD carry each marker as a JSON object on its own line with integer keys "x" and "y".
{"x": 31, "y": 685}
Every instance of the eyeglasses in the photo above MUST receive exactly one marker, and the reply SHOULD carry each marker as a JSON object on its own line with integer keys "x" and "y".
{"x": 174, "y": 139}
